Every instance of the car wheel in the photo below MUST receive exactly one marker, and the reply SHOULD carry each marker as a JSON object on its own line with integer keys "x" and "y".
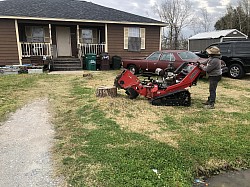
{"x": 236, "y": 71}
{"x": 133, "y": 69}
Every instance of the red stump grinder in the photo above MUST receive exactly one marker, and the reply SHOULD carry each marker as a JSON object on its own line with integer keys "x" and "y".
{"x": 168, "y": 89}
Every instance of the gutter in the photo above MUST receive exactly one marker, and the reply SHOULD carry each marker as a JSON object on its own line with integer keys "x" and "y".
{"x": 83, "y": 21}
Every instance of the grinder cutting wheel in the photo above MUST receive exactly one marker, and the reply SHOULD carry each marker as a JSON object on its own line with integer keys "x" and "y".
{"x": 169, "y": 89}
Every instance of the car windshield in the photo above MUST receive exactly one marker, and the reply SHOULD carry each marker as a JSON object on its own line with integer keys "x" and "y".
{"x": 187, "y": 55}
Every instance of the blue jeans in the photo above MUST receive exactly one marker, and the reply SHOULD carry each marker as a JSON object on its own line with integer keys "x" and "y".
{"x": 213, "y": 83}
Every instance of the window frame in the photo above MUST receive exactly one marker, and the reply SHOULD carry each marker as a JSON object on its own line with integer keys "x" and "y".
{"x": 128, "y": 32}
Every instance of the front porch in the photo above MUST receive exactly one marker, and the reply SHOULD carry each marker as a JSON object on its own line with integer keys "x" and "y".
{"x": 29, "y": 49}
{"x": 54, "y": 41}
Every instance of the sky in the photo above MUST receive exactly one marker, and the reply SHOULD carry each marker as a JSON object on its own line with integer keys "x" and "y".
{"x": 216, "y": 8}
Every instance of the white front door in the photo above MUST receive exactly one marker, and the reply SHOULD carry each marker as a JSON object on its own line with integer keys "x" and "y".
{"x": 63, "y": 41}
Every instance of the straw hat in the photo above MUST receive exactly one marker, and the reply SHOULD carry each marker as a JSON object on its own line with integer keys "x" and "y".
{"x": 213, "y": 50}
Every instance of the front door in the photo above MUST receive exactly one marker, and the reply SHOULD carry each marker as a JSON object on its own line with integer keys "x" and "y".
{"x": 63, "y": 41}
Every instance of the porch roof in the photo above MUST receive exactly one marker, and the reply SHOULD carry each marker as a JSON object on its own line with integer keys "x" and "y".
{"x": 69, "y": 10}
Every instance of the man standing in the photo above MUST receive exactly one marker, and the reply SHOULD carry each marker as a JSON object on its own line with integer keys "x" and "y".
{"x": 213, "y": 69}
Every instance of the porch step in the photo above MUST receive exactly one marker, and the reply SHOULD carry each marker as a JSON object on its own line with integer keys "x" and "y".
{"x": 66, "y": 64}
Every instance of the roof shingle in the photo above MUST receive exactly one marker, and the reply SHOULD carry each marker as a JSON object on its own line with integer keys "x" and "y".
{"x": 69, "y": 9}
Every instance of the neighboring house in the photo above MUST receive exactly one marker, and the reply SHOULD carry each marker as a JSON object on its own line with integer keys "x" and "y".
{"x": 72, "y": 28}
{"x": 200, "y": 41}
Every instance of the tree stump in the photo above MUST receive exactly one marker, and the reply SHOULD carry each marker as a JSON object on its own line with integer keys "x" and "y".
{"x": 88, "y": 75}
{"x": 104, "y": 91}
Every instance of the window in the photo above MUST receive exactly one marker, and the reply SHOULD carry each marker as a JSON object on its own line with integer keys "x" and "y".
{"x": 186, "y": 55}
{"x": 154, "y": 56}
{"x": 134, "y": 32}
{"x": 167, "y": 56}
{"x": 35, "y": 34}
{"x": 89, "y": 36}
{"x": 134, "y": 38}
{"x": 225, "y": 48}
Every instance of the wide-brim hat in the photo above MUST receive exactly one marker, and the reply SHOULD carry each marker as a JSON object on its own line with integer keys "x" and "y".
{"x": 213, "y": 50}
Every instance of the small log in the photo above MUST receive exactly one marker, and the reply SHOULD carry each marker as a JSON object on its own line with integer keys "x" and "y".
{"x": 104, "y": 91}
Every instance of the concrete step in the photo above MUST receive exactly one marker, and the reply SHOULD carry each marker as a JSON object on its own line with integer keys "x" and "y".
{"x": 66, "y": 68}
{"x": 66, "y": 64}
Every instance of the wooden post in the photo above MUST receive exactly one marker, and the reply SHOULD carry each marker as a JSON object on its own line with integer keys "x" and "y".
{"x": 104, "y": 91}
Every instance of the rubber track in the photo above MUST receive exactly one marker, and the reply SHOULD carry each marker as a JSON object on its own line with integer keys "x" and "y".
{"x": 180, "y": 98}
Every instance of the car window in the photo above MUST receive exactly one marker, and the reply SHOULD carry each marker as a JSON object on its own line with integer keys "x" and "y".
{"x": 154, "y": 56}
{"x": 225, "y": 48}
{"x": 172, "y": 58}
{"x": 167, "y": 56}
{"x": 187, "y": 55}
{"x": 242, "y": 48}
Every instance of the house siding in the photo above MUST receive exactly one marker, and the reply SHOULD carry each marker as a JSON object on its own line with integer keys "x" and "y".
{"x": 116, "y": 41}
{"x": 201, "y": 44}
{"x": 8, "y": 44}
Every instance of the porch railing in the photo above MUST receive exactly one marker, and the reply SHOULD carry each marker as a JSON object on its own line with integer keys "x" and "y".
{"x": 92, "y": 48}
{"x": 35, "y": 49}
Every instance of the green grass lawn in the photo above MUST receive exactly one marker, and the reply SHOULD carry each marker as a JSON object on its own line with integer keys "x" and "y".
{"x": 123, "y": 142}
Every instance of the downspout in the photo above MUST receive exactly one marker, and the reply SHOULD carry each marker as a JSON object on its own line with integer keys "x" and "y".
{"x": 106, "y": 38}
{"x": 18, "y": 43}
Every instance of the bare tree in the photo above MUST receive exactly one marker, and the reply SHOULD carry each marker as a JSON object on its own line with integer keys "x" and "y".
{"x": 178, "y": 14}
{"x": 206, "y": 20}
{"x": 202, "y": 23}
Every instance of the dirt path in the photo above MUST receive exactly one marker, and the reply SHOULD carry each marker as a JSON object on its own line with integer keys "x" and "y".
{"x": 25, "y": 140}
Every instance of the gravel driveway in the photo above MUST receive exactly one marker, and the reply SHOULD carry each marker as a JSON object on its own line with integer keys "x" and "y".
{"x": 25, "y": 142}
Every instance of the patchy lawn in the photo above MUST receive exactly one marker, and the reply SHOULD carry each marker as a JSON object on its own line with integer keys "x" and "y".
{"x": 123, "y": 142}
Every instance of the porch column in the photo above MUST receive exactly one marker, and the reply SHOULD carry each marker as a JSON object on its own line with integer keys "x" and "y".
{"x": 50, "y": 40}
{"x": 161, "y": 32}
{"x": 106, "y": 37}
{"x": 78, "y": 41}
{"x": 77, "y": 35}
{"x": 18, "y": 43}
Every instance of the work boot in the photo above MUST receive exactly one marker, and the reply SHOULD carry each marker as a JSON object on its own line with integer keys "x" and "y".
{"x": 209, "y": 106}
{"x": 206, "y": 102}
